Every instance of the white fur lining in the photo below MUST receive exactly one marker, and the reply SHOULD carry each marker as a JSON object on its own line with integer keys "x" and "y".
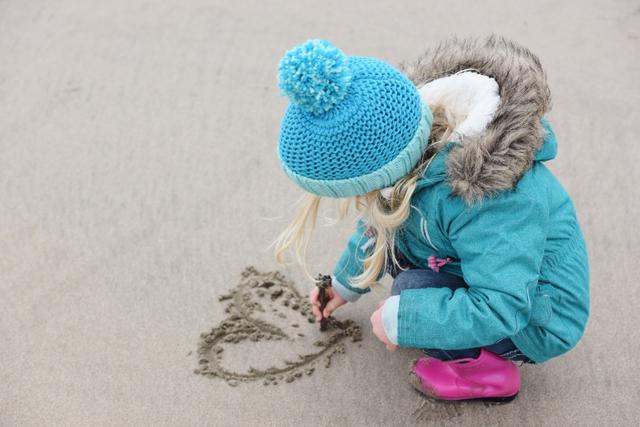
{"x": 470, "y": 97}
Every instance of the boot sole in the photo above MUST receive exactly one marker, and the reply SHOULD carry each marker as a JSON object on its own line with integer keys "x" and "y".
{"x": 415, "y": 381}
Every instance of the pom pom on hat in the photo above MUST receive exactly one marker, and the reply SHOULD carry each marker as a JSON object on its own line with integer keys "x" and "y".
{"x": 315, "y": 75}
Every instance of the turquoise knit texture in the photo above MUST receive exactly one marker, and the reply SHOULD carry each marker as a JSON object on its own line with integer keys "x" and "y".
{"x": 385, "y": 176}
{"x": 354, "y": 124}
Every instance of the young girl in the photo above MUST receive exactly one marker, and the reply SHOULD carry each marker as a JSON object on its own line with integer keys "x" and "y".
{"x": 446, "y": 170}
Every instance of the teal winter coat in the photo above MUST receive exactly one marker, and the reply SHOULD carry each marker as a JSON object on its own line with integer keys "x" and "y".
{"x": 520, "y": 251}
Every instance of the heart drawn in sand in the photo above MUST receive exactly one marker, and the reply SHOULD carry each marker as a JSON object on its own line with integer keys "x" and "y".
{"x": 265, "y": 309}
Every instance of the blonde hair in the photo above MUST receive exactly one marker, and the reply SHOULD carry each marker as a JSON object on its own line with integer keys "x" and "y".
{"x": 381, "y": 215}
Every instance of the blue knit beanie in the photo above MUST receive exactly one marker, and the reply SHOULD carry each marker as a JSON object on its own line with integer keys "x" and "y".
{"x": 354, "y": 124}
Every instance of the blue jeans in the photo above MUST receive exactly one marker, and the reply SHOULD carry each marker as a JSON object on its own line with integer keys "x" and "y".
{"x": 417, "y": 278}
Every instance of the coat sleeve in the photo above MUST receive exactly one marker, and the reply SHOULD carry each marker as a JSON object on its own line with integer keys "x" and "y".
{"x": 350, "y": 264}
{"x": 500, "y": 244}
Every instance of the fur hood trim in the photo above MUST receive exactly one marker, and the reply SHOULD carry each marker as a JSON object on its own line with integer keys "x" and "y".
{"x": 485, "y": 164}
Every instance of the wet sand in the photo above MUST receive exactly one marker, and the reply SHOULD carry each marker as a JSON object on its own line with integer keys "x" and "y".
{"x": 275, "y": 299}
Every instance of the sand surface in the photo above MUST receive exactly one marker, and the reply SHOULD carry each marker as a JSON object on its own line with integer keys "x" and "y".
{"x": 138, "y": 179}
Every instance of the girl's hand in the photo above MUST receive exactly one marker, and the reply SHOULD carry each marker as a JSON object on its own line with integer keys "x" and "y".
{"x": 334, "y": 300}
{"x": 378, "y": 328}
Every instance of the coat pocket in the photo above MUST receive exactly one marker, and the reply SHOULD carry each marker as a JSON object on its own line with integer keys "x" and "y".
{"x": 541, "y": 305}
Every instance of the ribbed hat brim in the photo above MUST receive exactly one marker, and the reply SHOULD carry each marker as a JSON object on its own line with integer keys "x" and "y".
{"x": 385, "y": 176}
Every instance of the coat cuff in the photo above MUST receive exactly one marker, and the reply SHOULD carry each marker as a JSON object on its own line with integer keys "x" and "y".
{"x": 346, "y": 292}
{"x": 390, "y": 318}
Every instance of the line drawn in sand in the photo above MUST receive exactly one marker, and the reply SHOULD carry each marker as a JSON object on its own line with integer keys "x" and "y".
{"x": 431, "y": 410}
{"x": 257, "y": 311}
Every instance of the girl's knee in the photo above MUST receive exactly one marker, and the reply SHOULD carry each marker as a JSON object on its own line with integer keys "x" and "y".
{"x": 418, "y": 278}
{"x": 404, "y": 280}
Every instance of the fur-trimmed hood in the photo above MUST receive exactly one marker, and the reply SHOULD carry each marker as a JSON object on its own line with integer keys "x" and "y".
{"x": 497, "y": 158}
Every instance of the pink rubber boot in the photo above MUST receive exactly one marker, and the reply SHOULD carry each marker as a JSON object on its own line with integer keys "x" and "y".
{"x": 489, "y": 377}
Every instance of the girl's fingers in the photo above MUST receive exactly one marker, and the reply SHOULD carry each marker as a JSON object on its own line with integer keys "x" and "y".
{"x": 313, "y": 297}
{"x": 327, "y": 311}
{"x": 316, "y": 312}
{"x": 333, "y": 302}
{"x": 331, "y": 306}
{"x": 392, "y": 347}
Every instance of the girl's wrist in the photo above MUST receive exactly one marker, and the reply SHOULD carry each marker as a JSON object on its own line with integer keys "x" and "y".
{"x": 390, "y": 318}
{"x": 343, "y": 291}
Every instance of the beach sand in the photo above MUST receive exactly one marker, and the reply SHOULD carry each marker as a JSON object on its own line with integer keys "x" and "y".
{"x": 139, "y": 177}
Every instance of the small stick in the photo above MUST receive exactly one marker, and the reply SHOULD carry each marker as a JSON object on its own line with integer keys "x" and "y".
{"x": 323, "y": 282}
